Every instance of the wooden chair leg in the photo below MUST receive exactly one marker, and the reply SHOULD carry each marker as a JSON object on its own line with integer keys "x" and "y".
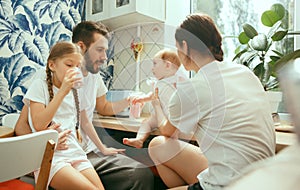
{"x": 45, "y": 166}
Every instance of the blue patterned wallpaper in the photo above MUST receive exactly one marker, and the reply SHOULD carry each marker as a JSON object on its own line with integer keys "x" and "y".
{"x": 28, "y": 28}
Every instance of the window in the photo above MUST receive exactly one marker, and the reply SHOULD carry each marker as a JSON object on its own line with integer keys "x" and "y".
{"x": 232, "y": 14}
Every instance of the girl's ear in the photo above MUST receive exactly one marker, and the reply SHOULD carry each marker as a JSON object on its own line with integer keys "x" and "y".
{"x": 51, "y": 65}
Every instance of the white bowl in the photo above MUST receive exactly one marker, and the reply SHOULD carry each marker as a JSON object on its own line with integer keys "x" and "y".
{"x": 116, "y": 95}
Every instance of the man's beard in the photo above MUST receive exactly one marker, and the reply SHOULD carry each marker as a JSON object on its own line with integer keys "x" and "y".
{"x": 90, "y": 66}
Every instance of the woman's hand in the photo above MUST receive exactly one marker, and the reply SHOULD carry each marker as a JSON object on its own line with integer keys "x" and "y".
{"x": 155, "y": 99}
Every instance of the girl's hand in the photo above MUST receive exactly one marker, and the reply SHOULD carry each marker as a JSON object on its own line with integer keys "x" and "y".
{"x": 62, "y": 137}
{"x": 112, "y": 151}
{"x": 69, "y": 80}
{"x": 62, "y": 140}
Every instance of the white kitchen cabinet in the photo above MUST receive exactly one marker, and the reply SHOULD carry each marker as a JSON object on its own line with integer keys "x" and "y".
{"x": 97, "y": 10}
{"x": 119, "y": 13}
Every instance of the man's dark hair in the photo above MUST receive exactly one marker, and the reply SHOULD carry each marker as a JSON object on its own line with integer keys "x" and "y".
{"x": 84, "y": 31}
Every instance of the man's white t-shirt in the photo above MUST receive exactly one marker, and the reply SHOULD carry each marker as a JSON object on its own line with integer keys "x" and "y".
{"x": 93, "y": 87}
{"x": 226, "y": 108}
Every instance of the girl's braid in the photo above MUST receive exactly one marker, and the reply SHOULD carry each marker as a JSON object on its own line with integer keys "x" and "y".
{"x": 75, "y": 94}
{"x": 49, "y": 82}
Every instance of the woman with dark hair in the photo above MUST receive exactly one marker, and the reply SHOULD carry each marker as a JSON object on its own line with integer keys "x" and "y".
{"x": 223, "y": 106}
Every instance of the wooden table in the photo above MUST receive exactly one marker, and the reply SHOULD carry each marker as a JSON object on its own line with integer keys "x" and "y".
{"x": 283, "y": 139}
{"x": 6, "y": 132}
{"x": 128, "y": 125}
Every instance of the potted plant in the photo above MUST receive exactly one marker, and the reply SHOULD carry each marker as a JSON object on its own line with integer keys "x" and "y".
{"x": 258, "y": 52}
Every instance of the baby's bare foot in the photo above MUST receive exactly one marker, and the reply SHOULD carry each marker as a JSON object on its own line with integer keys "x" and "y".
{"x": 137, "y": 143}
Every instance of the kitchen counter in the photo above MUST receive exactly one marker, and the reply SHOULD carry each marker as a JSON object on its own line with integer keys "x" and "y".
{"x": 283, "y": 139}
{"x": 127, "y": 124}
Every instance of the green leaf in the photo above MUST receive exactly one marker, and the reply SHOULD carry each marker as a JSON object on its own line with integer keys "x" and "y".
{"x": 277, "y": 53}
{"x": 259, "y": 71}
{"x": 269, "y": 45}
{"x": 259, "y": 42}
{"x": 278, "y": 9}
{"x": 272, "y": 67}
{"x": 274, "y": 58}
{"x": 247, "y": 57}
{"x": 274, "y": 29}
{"x": 279, "y": 35}
{"x": 249, "y": 30}
{"x": 269, "y": 18}
{"x": 272, "y": 84}
{"x": 243, "y": 38}
{"x": 237, "y": 55}
{"x": 239, "y": 49}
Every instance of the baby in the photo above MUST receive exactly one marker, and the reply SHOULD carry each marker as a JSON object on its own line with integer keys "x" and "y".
{"x": 165, "y": 69}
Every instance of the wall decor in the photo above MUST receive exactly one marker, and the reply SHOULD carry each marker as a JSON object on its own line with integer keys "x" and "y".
{"x": 28, "y": 29}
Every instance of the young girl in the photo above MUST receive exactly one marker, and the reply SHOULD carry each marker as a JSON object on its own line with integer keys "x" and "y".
{"x": 165, "y": 69}
{"x": 55, "y": 100}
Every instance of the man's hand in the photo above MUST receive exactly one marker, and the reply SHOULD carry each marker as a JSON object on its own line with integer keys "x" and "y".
{"x": 112, "y": 151}
{"x": 142, "y": 99}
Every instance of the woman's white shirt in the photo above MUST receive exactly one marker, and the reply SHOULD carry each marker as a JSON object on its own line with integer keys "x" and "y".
{"x": 227, "y": 109}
